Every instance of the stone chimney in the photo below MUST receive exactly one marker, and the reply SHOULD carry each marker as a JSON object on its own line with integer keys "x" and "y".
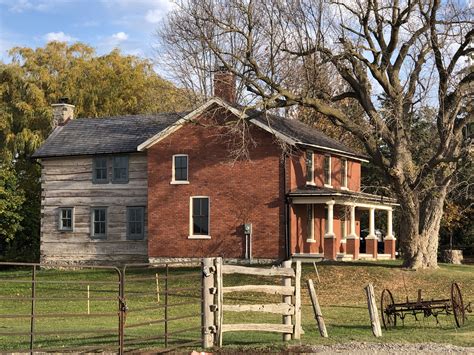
{"x": 62, "y": 112}
{"x": 224, "y": 85}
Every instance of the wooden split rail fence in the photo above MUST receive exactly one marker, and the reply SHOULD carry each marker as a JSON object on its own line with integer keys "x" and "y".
{"x": 214, "y": 305}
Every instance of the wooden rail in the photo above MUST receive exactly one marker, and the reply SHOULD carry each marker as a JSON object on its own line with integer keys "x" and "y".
{"x": 269, "y": 289}
{"x": 261, "y": 327}
{"x": 234, "y": 269}
{"x": 277, "y": 308}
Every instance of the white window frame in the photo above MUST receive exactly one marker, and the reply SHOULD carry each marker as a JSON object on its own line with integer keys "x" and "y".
{"x": 311, "y": 181}
{"x": 345, "y": 178}
{"x": 310, "y": 237}
{"x": 60, "y": 222}
{"x": 329, "y": 182}
{"x": 173, "y": 179}
{"x": 199, "y": 236}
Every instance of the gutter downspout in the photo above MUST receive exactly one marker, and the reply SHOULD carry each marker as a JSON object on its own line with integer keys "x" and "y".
{"x": 287, "y": 213}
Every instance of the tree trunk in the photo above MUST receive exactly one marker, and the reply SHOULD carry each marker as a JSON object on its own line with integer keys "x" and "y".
{"x": 420, "y": 229}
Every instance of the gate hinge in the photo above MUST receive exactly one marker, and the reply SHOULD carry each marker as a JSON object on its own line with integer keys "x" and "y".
{"x": 208, "y": 270}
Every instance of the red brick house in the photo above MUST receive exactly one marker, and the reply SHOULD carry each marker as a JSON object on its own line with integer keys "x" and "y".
{"x": 181, "y": 196}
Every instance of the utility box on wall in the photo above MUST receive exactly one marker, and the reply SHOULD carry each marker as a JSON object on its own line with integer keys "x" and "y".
{"x": 248, "y": 241}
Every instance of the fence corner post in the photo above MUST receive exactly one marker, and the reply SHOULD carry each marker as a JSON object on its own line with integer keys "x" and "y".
{"x": 220, "y": 300}
{"x": 297, "y": 327}
{"x": 207, "y": 317}
{"x": 287, "y": 299}
{"x": 373, "y": 313}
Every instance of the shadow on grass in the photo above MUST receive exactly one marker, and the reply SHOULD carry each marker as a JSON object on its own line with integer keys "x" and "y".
{"x": 388, "y": 264}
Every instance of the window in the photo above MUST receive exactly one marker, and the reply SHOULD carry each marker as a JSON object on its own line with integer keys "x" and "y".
{"x": 310, "y": 223}
{"x": 199, "y": 217}
{"x": 66, "y": 221}
{"x": 135, "y": 223}
{"x": 100, "y": 171}
{"x": 180, "y": 169}
{"x": 344, "y": 174}
{"x": 309, "y": 167}
{"x": 327, "y": 170}
{"x": 120, "y": 169}
{"x": 99, "y": 222}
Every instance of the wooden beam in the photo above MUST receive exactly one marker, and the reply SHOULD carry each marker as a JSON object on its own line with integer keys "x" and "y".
{"x": 234, "y": 269}
{"x": 277, "y": 308}
{"x": 373, "y": 313}
{"x": 317, "y": 310}
{"x": 272, "y": 290}
{"x": 258, "y": 327}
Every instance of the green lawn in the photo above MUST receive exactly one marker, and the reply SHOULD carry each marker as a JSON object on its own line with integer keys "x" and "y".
{"x": 340, "y": 292}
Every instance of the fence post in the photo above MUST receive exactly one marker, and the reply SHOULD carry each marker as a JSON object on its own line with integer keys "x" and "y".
{"x": 297, "y": 328}
{"x": 373, "y": 313}
{"x": 317, "y": 310}
{"x": 220, "y": 300}
{"x": 287, "y": 299}
{"x": 33, "y": 308}
{"x": 122, "y": 310}
{"x": 207, "y": 318}
{"x": 166, "y": 305}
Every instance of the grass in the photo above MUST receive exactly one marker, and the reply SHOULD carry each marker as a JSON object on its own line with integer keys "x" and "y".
{"x": 340, "y": 293}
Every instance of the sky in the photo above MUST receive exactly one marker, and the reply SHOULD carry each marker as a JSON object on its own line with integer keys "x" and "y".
{"x": 103, "y": 24}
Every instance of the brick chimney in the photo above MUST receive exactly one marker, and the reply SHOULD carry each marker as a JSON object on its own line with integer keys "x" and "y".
{"x": 62, "y": 112}
{"x": 224, "y": 85}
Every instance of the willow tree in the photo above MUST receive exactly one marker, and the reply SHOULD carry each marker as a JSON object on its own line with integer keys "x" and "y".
{"x": 399, "y": 62}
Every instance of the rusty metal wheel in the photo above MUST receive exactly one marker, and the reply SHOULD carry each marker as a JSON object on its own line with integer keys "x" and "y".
{"x": 387, "y": 309}
{"x": 458, "y": 305}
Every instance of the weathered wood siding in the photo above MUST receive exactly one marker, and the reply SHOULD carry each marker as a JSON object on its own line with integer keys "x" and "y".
{"x": 67, "y": 182}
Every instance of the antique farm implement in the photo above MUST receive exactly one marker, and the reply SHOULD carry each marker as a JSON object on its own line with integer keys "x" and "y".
{"x": 454, "y": 305}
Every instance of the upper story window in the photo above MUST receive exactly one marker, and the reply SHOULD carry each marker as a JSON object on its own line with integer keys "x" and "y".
{"x": 100, "y": 170}
{"x": 135, "y": 223}
{"x": 344, "y": 182}
{"x": 327, "y": 171}
{"x": 309, "y": 167}
{"x": 120, "y": 169}
{"x": 180, "y": 169}
{"x": 66, "y": 219}
{"x": 199, "y": 217}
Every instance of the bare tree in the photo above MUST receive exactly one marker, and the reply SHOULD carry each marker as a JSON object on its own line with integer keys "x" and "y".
{"x": 391, "y": 58}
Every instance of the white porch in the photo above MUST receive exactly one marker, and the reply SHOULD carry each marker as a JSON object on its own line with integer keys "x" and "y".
{"x": 345, "y": 246}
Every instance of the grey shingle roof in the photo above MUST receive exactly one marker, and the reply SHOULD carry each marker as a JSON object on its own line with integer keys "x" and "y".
{"x": 304, "y": 134}
{"x": 121, "y": 134}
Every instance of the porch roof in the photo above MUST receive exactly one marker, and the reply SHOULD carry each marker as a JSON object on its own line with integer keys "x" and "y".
{"x": 340, "y": 194}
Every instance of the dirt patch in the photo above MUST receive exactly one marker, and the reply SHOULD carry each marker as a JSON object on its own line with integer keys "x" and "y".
{"x": 385, "y": 348}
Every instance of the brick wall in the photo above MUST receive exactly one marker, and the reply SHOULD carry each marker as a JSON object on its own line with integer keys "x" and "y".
{"x": 239, "y": 192}
{"x": 298, "y": 171}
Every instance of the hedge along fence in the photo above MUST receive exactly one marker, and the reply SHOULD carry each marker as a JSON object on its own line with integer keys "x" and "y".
{"x": 214, "y": 306}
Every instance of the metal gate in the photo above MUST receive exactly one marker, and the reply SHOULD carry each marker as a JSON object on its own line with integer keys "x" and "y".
{"x": 60, "y": 308}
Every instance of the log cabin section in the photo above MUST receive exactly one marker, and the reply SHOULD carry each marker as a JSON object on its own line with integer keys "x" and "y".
{"x": 67, "y": 184}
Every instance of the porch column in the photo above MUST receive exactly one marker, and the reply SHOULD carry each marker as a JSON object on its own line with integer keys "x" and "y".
{"x": 352, "y": 246}
{"x": 389, "y": 240}
{"x": 329, "y": 238}
{"x": 371, "y": 241}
